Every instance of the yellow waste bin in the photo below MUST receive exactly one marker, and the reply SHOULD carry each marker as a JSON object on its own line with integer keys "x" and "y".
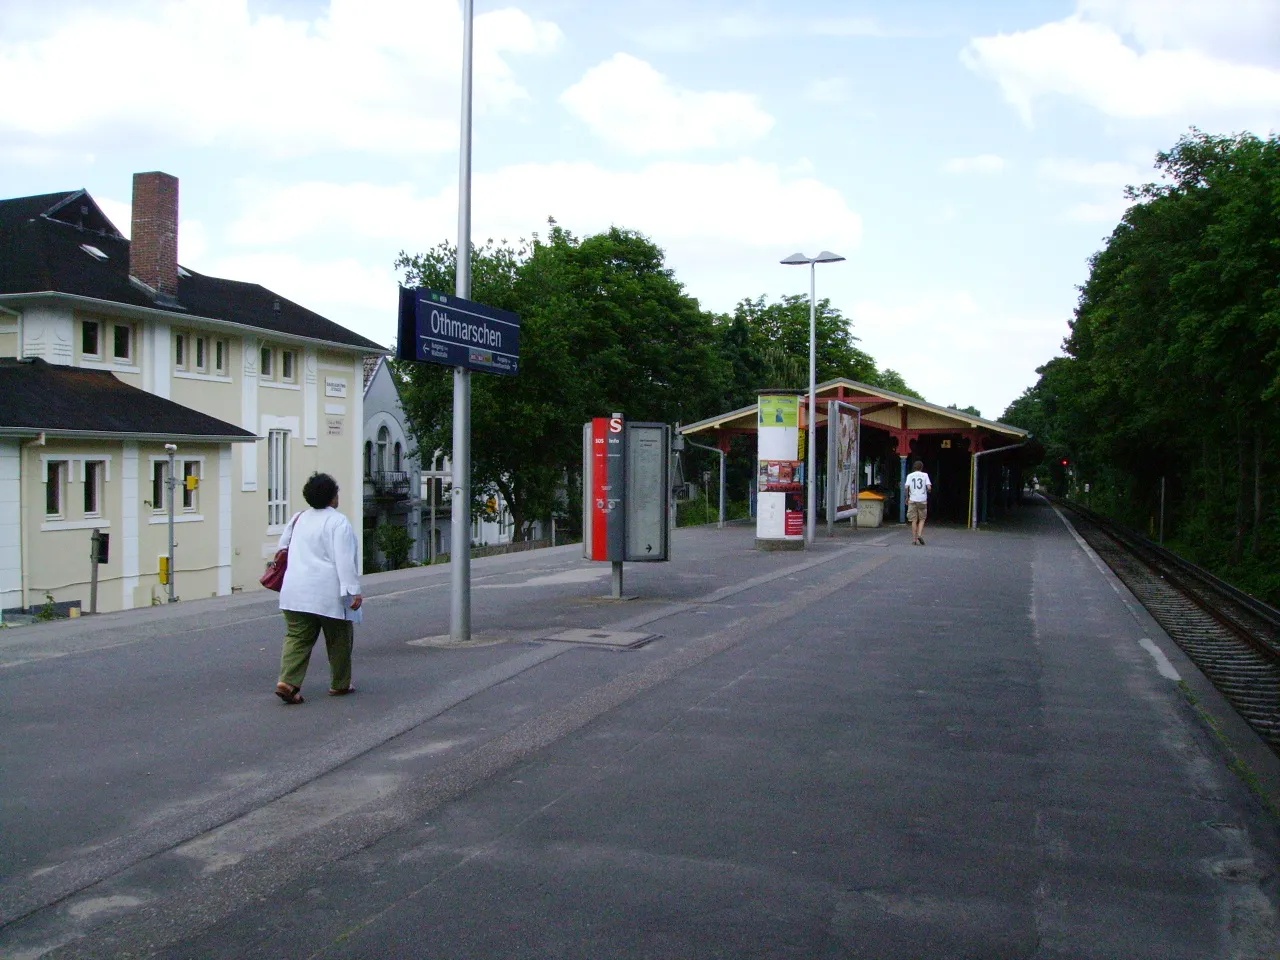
{"x": 870, "y": 509}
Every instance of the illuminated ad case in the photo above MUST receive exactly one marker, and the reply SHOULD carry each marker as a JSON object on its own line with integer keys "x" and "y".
{"x": 780, "y": 490}
{"x": 441, "y": 328}
{"x": 626, "y": 507}
{"x": 844, "y": 428}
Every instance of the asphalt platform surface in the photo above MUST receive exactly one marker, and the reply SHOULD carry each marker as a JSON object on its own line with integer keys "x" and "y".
{"x": 978, "y": 748}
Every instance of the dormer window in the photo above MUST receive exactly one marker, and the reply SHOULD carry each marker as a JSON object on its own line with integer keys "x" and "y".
{"x": 122, "y": 342}
{"x": 93, "y": 251}
{"x": 91, "y": 339}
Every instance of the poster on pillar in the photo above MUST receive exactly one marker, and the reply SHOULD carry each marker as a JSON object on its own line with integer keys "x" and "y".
{"x": 844, "y": 427}
{"x": 780, "y": 469}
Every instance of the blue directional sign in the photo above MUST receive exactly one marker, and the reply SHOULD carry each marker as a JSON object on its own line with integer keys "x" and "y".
{"x": 441, "y": 328}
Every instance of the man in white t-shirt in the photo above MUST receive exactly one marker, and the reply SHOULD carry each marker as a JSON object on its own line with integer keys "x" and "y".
{"x": 917, "y": 487}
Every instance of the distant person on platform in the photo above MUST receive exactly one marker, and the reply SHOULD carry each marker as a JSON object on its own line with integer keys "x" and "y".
{"x": 917, "y": 486}
{"x": 321, "y": 590}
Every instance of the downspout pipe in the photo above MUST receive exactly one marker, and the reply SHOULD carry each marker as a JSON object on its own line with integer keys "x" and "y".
{"x": 24, "y": 561}
{"x": 973, "y": 480}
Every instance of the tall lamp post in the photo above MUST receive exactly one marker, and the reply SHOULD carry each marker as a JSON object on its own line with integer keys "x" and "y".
{"x": 811, "y": 480}
{"x": 460, "y": 521}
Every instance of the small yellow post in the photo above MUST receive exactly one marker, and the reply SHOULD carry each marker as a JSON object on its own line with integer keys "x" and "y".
{"x": 164, "y": 569}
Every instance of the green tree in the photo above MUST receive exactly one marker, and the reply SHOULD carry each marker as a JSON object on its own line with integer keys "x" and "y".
{"x": 1172, "y": 367}
{"x": 605, "y": 327}
{"x": 767, "y": 345}
{"x": 395, "y": 544}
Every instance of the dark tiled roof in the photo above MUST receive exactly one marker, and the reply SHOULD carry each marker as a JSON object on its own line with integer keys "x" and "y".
{"x": 41, "y": 239}
{"x": 370, "y": 368}
{"x": 41, "y": 396}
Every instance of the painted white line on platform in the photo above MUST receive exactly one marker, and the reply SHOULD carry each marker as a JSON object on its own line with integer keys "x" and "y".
{"x": 582, "y": 575}
{"x": 1167, "y": 669}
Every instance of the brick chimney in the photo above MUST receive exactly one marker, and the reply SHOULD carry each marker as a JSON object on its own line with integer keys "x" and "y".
{"x": 153, "y": 246}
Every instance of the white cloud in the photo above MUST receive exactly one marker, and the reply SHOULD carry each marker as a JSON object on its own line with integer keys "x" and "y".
{"x": 200, "y": 72}
{"x": 629, "y": 104}
{"x": 1246, "y": 30}
{"x": 831, "y": 90}
{"x": 345, "y": 290}
{"x": 44, "y": 157}
{"x": 846, "y": 27}
{"x": 1104, "y": 181}
{"x": 695, "y": 212}
{"x": 671, "y": 200}
{"x": 982, "y": 163}
{"x": 1088, "y": 60}
{"x": 941, "y": 342}
{"x": 193, "y": 236}
{"x": 1106, "y": 211}
{"x": 1105, "y": 174}
{"x": 692, "y": 33}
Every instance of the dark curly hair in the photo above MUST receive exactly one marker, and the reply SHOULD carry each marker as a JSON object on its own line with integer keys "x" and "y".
{"x": 319, "y": 490}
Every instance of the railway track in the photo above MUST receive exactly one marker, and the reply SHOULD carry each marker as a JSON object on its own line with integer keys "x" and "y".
{"x": 1233, "y": 638}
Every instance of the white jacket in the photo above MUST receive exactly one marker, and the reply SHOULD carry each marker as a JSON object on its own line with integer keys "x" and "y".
{"x": 321, "y": 575}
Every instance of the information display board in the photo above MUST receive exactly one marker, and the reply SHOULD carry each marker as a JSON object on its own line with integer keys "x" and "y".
{"x": 648, "y": 448}
{"x": 626, "y": 498}
{"x": 440, "y": 328}
{"x": 844, "y": 429}
{"x": 603, "y": 472}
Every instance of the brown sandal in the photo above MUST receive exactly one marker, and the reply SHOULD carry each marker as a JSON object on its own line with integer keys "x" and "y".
{"x": 343, "y": 692}
{"x": 289, "y": 693}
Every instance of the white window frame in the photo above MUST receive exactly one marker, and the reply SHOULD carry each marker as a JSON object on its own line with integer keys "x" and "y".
{"x": 266, "y": 363}
{"x": 161, "y": 465}
{"x": 94, "y": 477}
{"x": 181, "y": 350}
{"x": 201, "y": 358}
{"x": 131, "y": 343}
{"x": 278, "y": 457}
{"x": 222, "y": 357}
{"x": 97, "y": 336}
{"x": 382, "y": 449}
{"x": 60, "y": 466}
{"x": 289, "y": 359}
{"x": 191, "y": 467}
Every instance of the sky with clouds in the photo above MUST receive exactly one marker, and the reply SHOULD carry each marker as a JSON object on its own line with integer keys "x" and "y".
{"x": 965, "y": 156}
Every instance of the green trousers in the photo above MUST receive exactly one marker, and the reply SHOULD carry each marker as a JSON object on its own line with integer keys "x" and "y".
{"x": 301, "y": 631}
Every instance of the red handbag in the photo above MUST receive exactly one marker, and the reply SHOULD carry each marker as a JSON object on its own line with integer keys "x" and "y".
{"x": 273, "y": 578}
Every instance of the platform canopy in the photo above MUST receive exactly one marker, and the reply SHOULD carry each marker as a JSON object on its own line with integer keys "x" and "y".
{"x": 904, "y": 418}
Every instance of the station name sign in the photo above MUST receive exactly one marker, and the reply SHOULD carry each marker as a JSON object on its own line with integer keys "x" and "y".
{"x": 441, "y": 328}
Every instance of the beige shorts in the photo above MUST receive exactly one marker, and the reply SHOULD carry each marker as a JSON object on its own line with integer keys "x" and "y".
{"x": 917, "y": 510}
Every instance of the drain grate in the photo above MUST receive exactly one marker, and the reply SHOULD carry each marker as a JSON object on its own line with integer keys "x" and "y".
{"x": 615, "y": 639}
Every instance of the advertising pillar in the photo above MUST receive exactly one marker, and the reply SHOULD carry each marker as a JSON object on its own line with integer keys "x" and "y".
{"x": 780, "y": 479}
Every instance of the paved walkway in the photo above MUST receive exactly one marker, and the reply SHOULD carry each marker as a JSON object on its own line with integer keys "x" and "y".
{"x": 970, "y": 749}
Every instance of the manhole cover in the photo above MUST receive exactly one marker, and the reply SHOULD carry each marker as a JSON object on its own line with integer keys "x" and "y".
{"x": 618, "y": 639}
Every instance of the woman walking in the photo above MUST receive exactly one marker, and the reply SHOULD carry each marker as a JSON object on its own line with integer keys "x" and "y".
{"x": 321, "y": 590}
